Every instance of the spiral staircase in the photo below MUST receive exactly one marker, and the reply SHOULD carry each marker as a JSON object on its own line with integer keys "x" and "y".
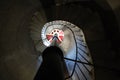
{"x": 21, "y": 43}
{"x": 76, "y": 52}
{"x": 77, "y": 55}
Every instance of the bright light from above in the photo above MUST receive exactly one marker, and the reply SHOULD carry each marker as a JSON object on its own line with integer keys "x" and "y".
{"x": 48, "y": 32}
{"x": 58, "y": 33}
{"x": 65, "y": 39}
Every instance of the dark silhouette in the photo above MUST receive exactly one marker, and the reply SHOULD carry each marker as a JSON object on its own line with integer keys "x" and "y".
{"x": 52, "y": 65}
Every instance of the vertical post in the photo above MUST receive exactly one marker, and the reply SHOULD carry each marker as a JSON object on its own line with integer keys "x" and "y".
{"x": 52, "y": 66}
